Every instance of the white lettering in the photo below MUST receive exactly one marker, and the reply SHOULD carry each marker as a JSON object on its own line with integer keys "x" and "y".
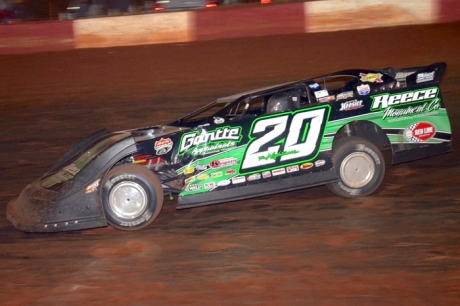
{"x": 383, "y": 101}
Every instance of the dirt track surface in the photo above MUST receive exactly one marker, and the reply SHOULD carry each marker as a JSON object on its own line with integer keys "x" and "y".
{"x": 400, "y": 246}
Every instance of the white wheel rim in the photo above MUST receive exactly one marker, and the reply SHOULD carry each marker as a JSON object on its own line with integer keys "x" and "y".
{"x": 357, "y": 170}
{"x": 128, "y": 200}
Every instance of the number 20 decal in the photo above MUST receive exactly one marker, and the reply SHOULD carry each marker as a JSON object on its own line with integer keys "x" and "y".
{"x": 302, "y": 140}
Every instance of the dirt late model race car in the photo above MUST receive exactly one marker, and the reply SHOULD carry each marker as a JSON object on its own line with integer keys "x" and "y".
{"x": 329, "y": 130}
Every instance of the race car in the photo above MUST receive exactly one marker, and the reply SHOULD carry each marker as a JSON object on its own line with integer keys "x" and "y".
{"x": 330, "y": 130}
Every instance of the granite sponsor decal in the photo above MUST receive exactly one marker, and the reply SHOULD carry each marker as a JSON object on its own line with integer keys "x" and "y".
{"x": 203, "y": 177}
{"x": 253, "y": 177}
{"x": 218, "y": 120}
{"x": 321, "y": 93}
{"x": 201, "y": 167}
{"x": 371, "y": 77}
{"x": 278, "y": 171}
{"x": 223, "y": 183}
{"x": 224, "y": 162}
{"x": 209, "y": 185}
{"x": 189, "y": 171}
{"x": 238, "y": 179}
{"x": 202, "y": 142}
{"x": 306, "y": 166}
{"x": 194, "y": 187}
{"x": 291, "y": 169}
{"x": 351, "y": 105}
{"x": 320, "y": 162}
{"x": 425, "y": 77}
{"x": 266, "y": 174}
{"x": 216, "y": 174}
{"x": 419, "y": 131}
{"x": 326, "y": 99}
{"x": 344, "y": 95}
{"x": 364, "y": 90}
{"x": 163, "y": 146}
{"x": 403, "y": 75}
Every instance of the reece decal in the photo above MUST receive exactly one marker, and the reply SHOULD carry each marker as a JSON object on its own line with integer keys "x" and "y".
{"x": 385, "y": 100}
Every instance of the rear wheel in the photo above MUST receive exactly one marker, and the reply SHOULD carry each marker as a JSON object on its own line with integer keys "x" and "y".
{"x": 132, "y": 197}
{"x": 360, "y": 166}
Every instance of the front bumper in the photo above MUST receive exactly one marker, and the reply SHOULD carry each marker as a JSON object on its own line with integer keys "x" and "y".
{"x": 41, "y": 210}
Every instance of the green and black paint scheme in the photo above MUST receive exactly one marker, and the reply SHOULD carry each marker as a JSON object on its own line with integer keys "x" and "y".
{"x": 234, "y": 149}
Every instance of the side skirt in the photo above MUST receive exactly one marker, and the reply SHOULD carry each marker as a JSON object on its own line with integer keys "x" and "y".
{"x": 255, "y": 190}
{"x": 417, "y": 152}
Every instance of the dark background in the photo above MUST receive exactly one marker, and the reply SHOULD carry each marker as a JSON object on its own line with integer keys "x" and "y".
{"x": 399, "y": 246}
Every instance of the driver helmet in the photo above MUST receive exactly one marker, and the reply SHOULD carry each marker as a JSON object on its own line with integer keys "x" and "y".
{"x": 278, "y": 103}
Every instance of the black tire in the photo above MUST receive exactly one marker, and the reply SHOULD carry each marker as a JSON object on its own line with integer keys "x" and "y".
{"x": 360, "y": 166}
{"x": 132, "y": 197}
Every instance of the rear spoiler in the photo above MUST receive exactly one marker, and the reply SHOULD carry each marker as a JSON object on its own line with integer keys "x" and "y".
{"x": 416, "y": 75}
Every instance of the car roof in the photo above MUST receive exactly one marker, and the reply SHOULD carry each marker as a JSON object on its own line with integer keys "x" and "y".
{"x": 254, "y": 91}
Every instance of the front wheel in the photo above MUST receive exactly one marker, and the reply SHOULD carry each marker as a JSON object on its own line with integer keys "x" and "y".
{"x": 360, "y": 167}
{"x": 132, "y": 197}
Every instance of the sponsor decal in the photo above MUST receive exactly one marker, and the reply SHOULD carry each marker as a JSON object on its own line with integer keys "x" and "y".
{"x": 205, "y": 142}
{"x": 216, "y": 174}
{"x": 201, "y": 167}
{"x": 385, "y": 100}
{"x": 419, "y": 131}
{"x": 425, "y": 77}
{"x": 321, "y": 93}
{"x": 320, "y": 162}
{"x": 326, "y": 99}
{"x": 403, "y": 75}
{"x": 407, "y": 112}
{"x": 218, "y": 120}
{"x": 253, "y": 177}
{"x": 276, "y": 155}
{"x": 306, "y": 166}
{"x": 314, "y": 86}
{"x": 142, "y": 159}
{"x": 189, "y": 171}
{"x": 194, "y": 187}
{"x": 190, "y": 179}
{"x": 163, "y": 146}
{"x": 230, "y": 172}
{"x": 223, "y": 183}
{"x": 92, "y": 187}
{"x": 371, "y": 77}
{"x": 202, "y": 177}
{"x": 224, "y": 162}
{"x": 209, "y": 185}
{"x": 292, "y": 168}
{"x": 344, "y": 95}
{"x": 364, "y": 90}
{"x": 266, "y": 174}
{"x": 72, "y": 169}
{"x": 351, "y": 105}
{"x": 238, "y": 179}
{"x": 278, "y": 171}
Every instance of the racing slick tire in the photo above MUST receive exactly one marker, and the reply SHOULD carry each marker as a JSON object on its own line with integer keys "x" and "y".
{"x": 132, "y": 197}
{"x": 360, "y": 167}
